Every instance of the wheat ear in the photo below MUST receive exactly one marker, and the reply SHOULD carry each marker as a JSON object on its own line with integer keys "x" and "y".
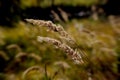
{"x": 74, "y": 54}
{"x": 52, "y": 27}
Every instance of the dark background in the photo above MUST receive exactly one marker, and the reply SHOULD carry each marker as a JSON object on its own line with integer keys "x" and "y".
{"x": 11, "y": 10}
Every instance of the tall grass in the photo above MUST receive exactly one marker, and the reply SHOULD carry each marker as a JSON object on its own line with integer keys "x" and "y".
{"x": 48, "y": 51}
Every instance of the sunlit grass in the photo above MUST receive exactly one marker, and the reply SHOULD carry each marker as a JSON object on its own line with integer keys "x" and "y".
{"x": 46, "y": 3}
{"x": 99, "y": 43}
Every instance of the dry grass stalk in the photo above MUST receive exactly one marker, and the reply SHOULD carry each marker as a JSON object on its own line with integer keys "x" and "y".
{"x": 64, "y": 15}
{"x": 4, "y": 55}
{"x": 33, "y": 68}
{"x": 34, "y": 56}
{"x": 56, "y": 16}
{"x": 53, "y": 27}
{"x": 20, "y": 54}
{"x": 74, "y": 54}
{"x": 62, "y": 64}
{"x": 14, "y": 46}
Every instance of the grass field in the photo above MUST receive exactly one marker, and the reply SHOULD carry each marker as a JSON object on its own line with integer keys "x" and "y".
{"x": 25, "y": 58}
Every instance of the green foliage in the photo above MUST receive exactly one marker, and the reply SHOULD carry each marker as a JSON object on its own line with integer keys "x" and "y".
{"x": 46, "y": 3}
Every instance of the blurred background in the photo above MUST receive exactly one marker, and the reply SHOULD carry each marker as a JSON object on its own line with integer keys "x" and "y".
{"x": 94, "y": 24}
